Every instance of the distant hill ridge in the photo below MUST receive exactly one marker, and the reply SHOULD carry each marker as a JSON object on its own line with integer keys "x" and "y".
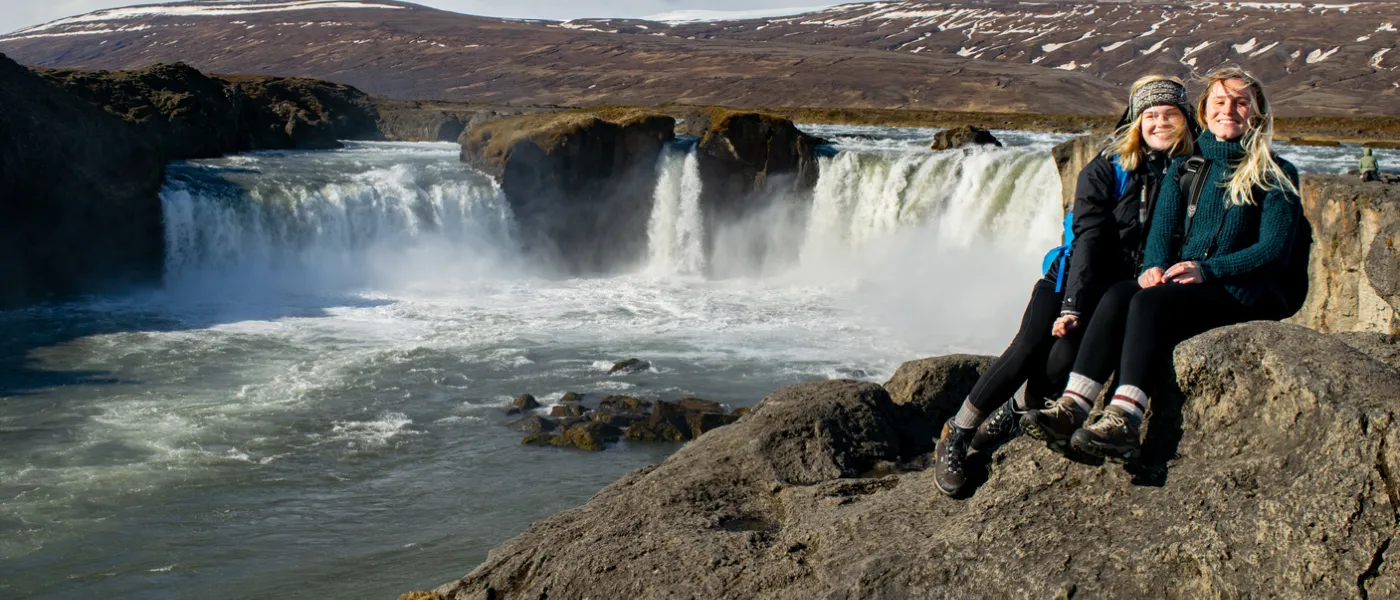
{"x": 996, "y": 55}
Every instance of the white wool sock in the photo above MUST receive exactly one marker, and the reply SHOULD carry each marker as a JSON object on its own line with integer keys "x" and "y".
{"x": 1083, "y": 391}
{"x": 1131, "y": 399}
{"x": 968, "y": 416}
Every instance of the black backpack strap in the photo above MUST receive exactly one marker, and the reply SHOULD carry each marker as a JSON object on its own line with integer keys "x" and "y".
{"x": 1191, "y": 181}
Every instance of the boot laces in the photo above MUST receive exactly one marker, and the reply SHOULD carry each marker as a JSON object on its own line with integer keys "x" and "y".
{"x": 1110, "y": 422}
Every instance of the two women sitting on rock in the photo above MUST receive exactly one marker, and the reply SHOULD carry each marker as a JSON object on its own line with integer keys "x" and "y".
{"x": 1105, "y": 237}
{"x": 1219, "y": 261}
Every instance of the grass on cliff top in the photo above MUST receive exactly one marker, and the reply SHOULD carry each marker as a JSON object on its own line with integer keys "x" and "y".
{"x": 495, "y": 137}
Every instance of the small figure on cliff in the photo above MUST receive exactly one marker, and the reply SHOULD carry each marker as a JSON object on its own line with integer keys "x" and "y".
{"x": 1226, "y": 254}
{"x": 1103, "y": 245}
{"x": 1370, "y": 169}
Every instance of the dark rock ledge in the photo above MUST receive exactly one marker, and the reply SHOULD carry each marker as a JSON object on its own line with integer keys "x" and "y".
{"x": 1270, "y": 471}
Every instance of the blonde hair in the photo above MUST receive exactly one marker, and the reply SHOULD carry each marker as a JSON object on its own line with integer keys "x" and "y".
{"x": 1258, "y": 169}
{"x": 1128, "y": 147}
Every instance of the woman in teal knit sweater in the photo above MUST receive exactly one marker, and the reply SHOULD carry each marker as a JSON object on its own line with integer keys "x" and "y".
{"x": 1226, "y": 270}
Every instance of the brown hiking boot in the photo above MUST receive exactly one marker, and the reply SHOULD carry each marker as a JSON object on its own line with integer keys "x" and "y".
{"x": 1114, "y": 436}
{"x": 949, "y": 456}
{"x": 1054, "y": 424}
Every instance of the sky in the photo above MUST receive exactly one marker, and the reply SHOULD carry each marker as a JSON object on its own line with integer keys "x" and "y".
{"x": 18, "y": 14}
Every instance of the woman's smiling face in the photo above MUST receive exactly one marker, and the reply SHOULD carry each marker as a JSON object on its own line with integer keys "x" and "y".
{"x": 1229, "y": 107}
{"x": 1162, "y": 127}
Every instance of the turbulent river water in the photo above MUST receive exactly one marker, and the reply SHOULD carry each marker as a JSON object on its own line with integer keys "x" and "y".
{"x": 311, "y": 405}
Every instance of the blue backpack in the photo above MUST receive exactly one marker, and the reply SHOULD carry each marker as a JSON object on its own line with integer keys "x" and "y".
{"x": 1060, "y": 254}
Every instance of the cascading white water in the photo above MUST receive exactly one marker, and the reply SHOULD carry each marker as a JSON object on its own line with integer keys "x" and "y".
{"x": 675, "y": 231}
{"x": 293, "y": 216}
{"x": 1005, "y": 198}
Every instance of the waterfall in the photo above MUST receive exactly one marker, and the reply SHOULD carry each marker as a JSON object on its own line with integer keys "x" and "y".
{"x": 330, "y": 218}
{"x": 1005, "y": 198}
{"x": 675, "y": 231}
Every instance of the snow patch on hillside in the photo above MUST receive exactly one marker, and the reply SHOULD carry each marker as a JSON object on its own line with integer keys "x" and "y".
{"x": 198, "y": 10}
{"x": 700, "y": 16}
{"x": 1317, "y": 56}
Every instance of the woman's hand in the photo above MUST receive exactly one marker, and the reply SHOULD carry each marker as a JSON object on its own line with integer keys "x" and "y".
{"x": 1184, "y": 272}
{"x": 1151, "y": 277}
{"x": 1064, "y": 325}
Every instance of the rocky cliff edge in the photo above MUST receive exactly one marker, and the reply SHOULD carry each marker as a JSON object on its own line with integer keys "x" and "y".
{"x": 1269, "y": 470}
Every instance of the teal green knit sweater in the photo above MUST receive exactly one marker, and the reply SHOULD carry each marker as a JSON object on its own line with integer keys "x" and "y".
{"x": 1254, "y": 240}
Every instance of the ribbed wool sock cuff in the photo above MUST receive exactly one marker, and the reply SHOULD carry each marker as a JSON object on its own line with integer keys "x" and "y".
{"x": 968, "y": 416}
{"x": 1131, "y": 399}
{"x": 1084, "y": 391}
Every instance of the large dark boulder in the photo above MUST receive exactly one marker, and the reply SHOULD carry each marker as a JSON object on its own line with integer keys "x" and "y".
{"x": 79, "y": 195}
{"x": 1279, "y": 449}
{"x": 580, "y": 183}
{"x": 966, "y": 135}
{"x": 749, "y": 161}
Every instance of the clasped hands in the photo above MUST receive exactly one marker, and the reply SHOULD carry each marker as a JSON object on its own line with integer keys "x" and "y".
{"x": 1182, "y": 272}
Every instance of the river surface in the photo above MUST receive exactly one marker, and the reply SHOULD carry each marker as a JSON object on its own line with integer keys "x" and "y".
{"x": 312, "y": 403}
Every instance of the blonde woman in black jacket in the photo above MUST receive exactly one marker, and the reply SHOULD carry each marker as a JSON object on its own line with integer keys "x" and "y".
{"x": 1111, "y": 209}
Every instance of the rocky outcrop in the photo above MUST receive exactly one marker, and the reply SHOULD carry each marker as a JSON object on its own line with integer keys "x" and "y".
{"x": 306, "y": 114}
{"x": 79, "y": 206}
{"x": 1355, "y": 270}
{"x": 1274, "y": 478}
{"x": 966, "y": 135}
{"x": 749, "y": 162}
{"x": 1070, "y": 158}
{"x": 419, "y": 121}
{"x": 187, "y": 114}
{"x": 579, "y": 183}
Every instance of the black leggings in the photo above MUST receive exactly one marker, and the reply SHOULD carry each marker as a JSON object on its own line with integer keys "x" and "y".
{"x": 1134, "y": 329}
{"x": 1035, "y": 357}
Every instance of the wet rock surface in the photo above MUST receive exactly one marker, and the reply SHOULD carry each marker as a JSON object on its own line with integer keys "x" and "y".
{"x": 631, "y": 365}
{"x": 967, "y": 135}
{"x": 574, "y": 423}
{"x": 750, "y": 162}
{"x": 1277, "y": 447}
{"x": 574, "y": 178}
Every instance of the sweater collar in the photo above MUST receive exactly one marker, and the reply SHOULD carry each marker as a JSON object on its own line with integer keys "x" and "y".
{"x": 1217, "y": 150}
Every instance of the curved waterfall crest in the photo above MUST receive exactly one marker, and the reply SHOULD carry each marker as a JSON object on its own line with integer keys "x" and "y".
{"x": 402, "y": 209}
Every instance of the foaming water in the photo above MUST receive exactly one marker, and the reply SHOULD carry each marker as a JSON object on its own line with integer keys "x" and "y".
{"x": 313, "y": 403}
{"x": 676, "y": 229}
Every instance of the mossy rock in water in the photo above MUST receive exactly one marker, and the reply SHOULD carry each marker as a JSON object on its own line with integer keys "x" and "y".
{"x": 624, "y": 404}
{"x": 631, "y": 365}
{"x": 585, "y": 436}
{"x": 741, "y": 411}
{"x": 540, "y": 439}
{"x": 420, "y": 596}
{"x": 568, "y": 409}
{"x": 646, "y": 432}
{"x": 533, "y": 424}
{"x": 703, "y": 422}
{"x": 571, "y": 397}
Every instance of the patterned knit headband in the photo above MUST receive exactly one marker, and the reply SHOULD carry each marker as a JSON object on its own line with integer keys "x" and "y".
{"x": 1163, "y": 92}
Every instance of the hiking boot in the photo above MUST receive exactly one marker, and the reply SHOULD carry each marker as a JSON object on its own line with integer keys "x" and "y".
{"x": 1054, "y": 424}
{"x": 1000, "y": 427}
{"x": 949, "y": 456}
{"x": 1114, "y": 436}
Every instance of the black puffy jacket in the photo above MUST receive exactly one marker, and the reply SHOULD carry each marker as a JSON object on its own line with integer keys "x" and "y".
{"x": 1098, "y": 257}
